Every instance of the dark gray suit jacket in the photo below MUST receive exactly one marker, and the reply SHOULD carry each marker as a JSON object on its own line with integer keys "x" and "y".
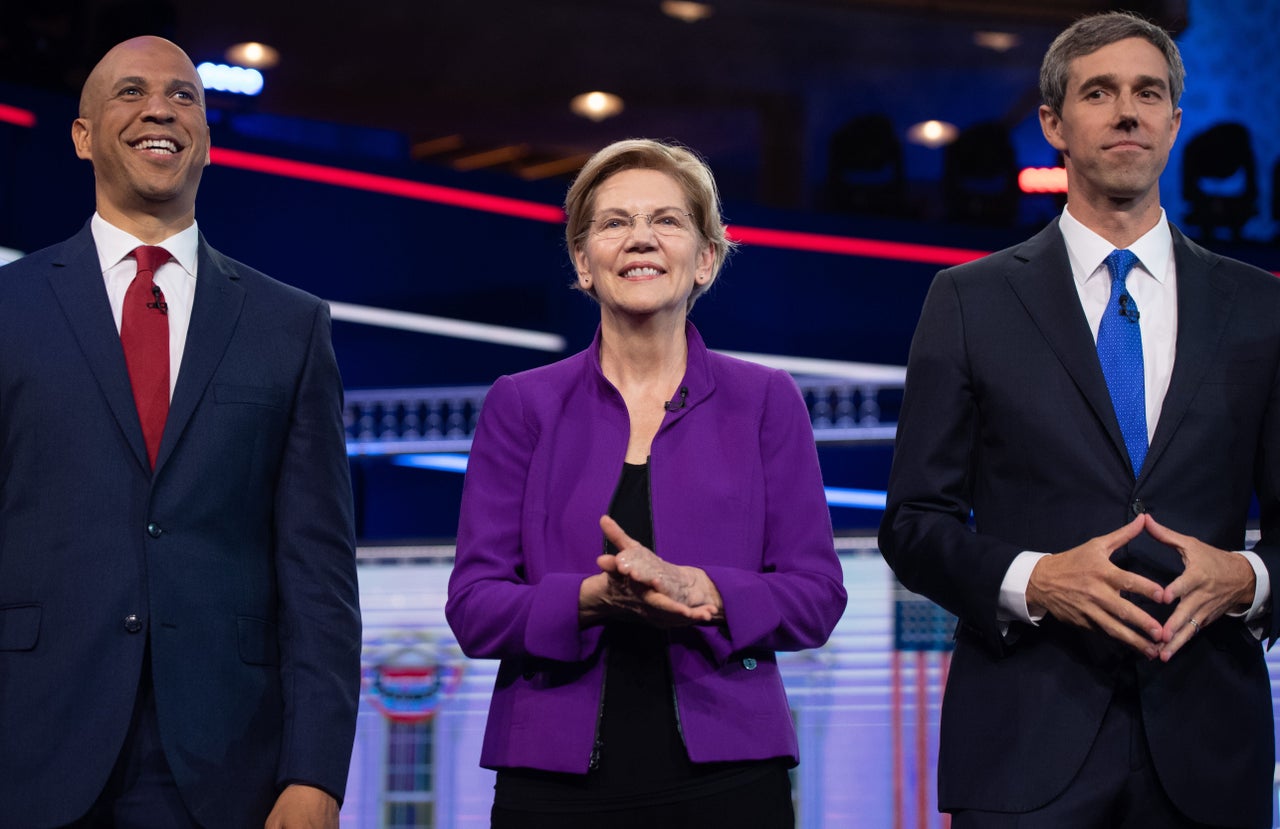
{"x": 1007, "y": 416}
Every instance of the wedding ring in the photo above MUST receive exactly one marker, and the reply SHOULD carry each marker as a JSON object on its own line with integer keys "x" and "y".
{"x": 1195, "y": 624}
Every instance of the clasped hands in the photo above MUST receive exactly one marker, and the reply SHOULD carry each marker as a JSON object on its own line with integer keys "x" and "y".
{"x": 1083, "y": 587}
{"x": 635, "y": 583}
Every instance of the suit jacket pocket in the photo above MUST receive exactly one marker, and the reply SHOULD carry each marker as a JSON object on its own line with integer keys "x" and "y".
{"x": 253, "y": 395}
{"x": 1242, "y": 364}
{"x": 19, "y": 627}
{"x": 259, "y": 643}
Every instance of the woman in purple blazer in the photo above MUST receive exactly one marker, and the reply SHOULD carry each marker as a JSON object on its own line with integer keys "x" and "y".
{"x": 643, "y": 525}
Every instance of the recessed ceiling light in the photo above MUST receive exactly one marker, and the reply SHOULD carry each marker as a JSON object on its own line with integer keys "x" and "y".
{"x": 932, "y": 134}
{"x": 596, "y": 105}
{"x": 687, "y": 10}
{"x": 253, "y": 54}
{"x": 996, "y": 41}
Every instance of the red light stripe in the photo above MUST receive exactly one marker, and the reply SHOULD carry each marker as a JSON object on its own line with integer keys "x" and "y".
{"x": 786, "y": 239}
{"x": 14, "y": 115}
{"x": 851, "y": 246}
{"x": 385, "y": 184}
{"x": 793, "y": 240}
{"x": 922, "y": 740}
{"x": 895, "y": 729}
{"x": 1043, "y": 180}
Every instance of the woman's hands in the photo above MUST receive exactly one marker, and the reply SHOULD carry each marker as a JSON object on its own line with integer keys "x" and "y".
{"x": 635, "y": 583}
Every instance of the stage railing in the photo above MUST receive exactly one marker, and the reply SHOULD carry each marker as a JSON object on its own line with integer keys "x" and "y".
{"x": 443, "y": 419}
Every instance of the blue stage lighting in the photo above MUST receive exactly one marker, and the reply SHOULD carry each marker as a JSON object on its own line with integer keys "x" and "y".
{"x": 234, "y": 79}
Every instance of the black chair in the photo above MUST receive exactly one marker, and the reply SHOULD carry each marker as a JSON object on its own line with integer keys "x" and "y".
{"x": 865, "y": 171}
{"x": 980, "y": 176}
{"x": 1220, "y": 181}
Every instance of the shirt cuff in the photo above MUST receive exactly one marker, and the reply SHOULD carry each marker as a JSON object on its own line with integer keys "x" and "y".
{"x": 1261, "y": 589}
{"x": 1013, "y": 590}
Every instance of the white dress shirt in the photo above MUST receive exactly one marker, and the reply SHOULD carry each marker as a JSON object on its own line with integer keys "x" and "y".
{"x": 176, "y": 278}
{"x": 1153, "y": 284}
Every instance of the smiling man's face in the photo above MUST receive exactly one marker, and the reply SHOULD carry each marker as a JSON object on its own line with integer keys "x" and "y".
{"x": 142, "y": 125}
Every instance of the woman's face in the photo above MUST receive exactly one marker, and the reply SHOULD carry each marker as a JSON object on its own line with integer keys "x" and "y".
{"x": 643, "y": 254}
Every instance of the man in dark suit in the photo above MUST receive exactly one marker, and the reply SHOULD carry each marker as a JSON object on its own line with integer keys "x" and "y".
{"x": 1083, "y": 513}
{"x": 179, "y": 618}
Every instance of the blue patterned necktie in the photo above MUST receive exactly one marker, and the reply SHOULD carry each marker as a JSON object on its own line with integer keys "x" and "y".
{"x": 1120, "y": 352}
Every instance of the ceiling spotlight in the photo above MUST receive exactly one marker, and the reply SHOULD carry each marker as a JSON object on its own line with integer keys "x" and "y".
{"x": 596, "y": 105}
{"x": 996, "y": 41}
{"x": 687, "y": 10}
{"x": 932, "y": 134}
{"x": 253, "y": 54}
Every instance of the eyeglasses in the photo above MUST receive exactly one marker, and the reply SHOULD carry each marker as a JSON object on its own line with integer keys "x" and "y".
{"x": 664, "y": 223}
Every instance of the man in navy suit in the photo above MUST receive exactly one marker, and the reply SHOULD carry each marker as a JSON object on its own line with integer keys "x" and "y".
{"x": 1084, "y": 514}
{"x": 179, "y": 617}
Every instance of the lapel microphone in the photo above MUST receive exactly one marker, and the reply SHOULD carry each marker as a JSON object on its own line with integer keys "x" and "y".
{"x": 677, "y": 405}
{"x": 159, "y": 304}
{"x": 1129, "y": 308}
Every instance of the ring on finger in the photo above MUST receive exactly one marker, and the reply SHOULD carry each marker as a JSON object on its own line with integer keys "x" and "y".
{"x": 1194, "y": 624}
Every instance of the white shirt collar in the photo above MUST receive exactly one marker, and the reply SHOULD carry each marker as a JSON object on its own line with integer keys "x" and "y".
{"x": 1088, "y": 250}
{"x": 115, "y": 244}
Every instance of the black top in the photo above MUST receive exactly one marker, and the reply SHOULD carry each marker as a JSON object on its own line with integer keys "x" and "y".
{"x": 640, "y": 758}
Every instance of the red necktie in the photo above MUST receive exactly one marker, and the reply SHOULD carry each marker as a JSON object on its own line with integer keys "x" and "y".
{"x": 144, "y": 333}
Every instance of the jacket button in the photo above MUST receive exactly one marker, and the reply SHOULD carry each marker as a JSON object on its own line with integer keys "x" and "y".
{"x": 1137, "y": 507}
{"x": 132, "y": 623}
{"x": 154, "y": 530}
{"x": 749, "y": 663}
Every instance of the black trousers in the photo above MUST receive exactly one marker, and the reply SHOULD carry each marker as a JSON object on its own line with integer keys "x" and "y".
{"x": 763, "y": 804}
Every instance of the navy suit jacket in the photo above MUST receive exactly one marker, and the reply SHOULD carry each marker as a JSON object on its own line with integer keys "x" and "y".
{"x": 1007, "y": 415}
{"x": 233, "y": 562}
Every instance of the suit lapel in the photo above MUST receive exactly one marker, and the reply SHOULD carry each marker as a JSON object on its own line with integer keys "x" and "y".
{"x": 218, "y": 300}
{"x": 76, "y": 279}
{"x": 1204, "y": 305}
{"x": 1041, "y": 278}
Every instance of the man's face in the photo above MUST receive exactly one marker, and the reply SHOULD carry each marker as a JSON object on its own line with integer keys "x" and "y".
{"x": 1117, "y": 123}
{"x": 142, "y": 125}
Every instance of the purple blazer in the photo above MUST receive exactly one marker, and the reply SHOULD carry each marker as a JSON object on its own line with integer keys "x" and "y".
{"x": 736, "y": 490}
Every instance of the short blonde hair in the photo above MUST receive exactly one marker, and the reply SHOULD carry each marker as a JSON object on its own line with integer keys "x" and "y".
{"x": 682, "y": 164}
